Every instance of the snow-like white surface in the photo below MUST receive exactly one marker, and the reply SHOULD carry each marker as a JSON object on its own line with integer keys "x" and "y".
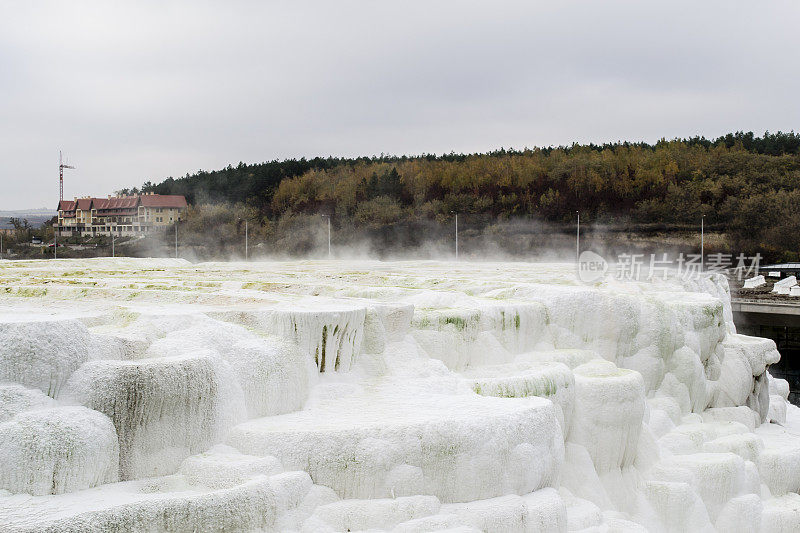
{"x": 15, "y": 399}
{"x": 63, "y": 449}
{"x": 755, "y": 282}
{"x": 42, "y": 353}
{"x": 160, "y": 395}
{"x": 459, "y": 447}
{"x": 783, "y": 286}
{"x": 164, "y": 409}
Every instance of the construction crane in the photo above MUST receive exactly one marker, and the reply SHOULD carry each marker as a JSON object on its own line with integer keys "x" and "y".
{"x": 61, "y": 167}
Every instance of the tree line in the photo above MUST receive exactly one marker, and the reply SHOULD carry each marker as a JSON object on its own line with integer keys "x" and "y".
{"x": 747, "y": 187}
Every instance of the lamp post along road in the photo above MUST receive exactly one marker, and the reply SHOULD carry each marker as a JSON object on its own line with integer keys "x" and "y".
{"x": 246, "y": 236}
{"x": 578, "y": 238}
{"x": 329, "y": 235}
{"x": 456, "y": 236}
{"x": 702, "y": 243}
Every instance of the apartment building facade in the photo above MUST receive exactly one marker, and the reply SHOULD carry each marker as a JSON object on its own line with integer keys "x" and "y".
{"x": 119, "y": 215}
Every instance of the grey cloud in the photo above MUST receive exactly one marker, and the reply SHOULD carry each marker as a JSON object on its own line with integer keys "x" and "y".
{"x": 141, "y": 91}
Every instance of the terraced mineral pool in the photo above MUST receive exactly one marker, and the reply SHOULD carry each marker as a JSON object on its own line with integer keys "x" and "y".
{"x": 160, "y": 395}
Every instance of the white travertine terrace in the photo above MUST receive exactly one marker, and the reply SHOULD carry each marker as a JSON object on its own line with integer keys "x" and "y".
{"x": 161, "y": 395}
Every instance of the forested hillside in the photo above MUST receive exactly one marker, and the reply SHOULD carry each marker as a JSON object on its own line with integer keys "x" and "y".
{"x": 748, "y": 187}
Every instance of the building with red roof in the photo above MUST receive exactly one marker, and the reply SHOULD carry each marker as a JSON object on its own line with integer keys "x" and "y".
{"x": 119, "y": 215}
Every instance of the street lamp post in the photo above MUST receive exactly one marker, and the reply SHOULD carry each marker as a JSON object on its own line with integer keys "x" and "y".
{"x": 246, "y": 244}
{"x": 176, "y": 239}
{"x": 456, "y": 214}
{"x": 456, "y": 236}
{"x": 702, "y": 243}
{"x": 578, "y": 238}
{"x": 113, "y": 241}
{"x": 329, "y": 235}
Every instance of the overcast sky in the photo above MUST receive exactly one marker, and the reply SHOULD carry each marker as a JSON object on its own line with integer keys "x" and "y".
{"x": 143, "y": 91}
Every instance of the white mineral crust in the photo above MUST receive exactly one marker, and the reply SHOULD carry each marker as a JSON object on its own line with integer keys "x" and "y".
{"x": 160, "y": 395}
